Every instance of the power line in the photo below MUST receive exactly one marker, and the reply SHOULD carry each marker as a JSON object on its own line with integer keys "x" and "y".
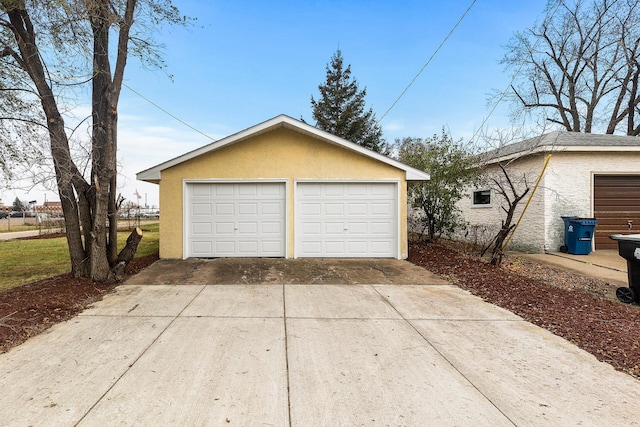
{"x": 167, "y": 112}
{"x": 429, "y": 61}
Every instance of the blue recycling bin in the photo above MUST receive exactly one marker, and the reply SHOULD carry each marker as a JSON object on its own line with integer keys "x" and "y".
{"x": 578, "y": 233}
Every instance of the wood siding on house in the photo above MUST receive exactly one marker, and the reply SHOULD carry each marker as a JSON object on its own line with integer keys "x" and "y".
{"x": 616, "y": 202}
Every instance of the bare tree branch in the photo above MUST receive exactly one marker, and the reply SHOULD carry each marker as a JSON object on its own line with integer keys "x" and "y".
{"x": 579, "y": 65}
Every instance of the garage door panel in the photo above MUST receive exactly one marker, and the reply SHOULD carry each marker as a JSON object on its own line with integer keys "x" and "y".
{"x": 224, "y": 208}
{"x": 219, "y": 190}
{"x": 334, "y": 209}
{"x": 223, "y": 248}
{"x": 201, "y": 228}
{"x": 340, "y": 219}
{"x": 202, "y": 247}
{"x": 250, "y": 209}
{"x": 309, "y": 228}
{"x": 271, "y": 228}
{"x": 309, "y": 209}
{"x": 381, "y": 190}
{"x": 358, "y": 228}
{"x": 311, "y": 248}
{"x": 236, "y": 219}
{"x": 357, "y": 248}
{"x": 616, "y": 202}
{"x": 273, "y": 247}
{"x": 359, "y": 209}
{"x": 380, "y": 247}
{"x": 268, "y": 208}
{"x": 335, "y": 247}
{"x": 202, "y": 191}
{"x": 356, "y": 190}
{"x": 248, "y": 247}
{"x": 247, "y": 190}
{"x": 334, "y": 228}
{"x": 225, "y": 227}
{"x": 202, "y": 209}
{"x": 620, "y": 192}
{"x": 381, "y": 209}
{"x": 309, "y": 190}
{"x": 334, "y": 191}
{"x": 382, "y": 228}
{"x": 248, "y": 228}
{"x": 272, "y": 189}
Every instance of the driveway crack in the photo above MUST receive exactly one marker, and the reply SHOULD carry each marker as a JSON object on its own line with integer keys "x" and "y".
{"x": 444, "y": 357}
{"x": 142, "y": 353}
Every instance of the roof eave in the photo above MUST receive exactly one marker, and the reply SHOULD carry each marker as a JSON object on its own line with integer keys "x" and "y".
{"x": 154, "y": 173}
{"x": 565, "y": 148}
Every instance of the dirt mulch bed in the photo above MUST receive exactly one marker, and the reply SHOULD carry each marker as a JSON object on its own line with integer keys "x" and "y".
{"x": 28, "y": 310}
{"x": 571, "y": 306}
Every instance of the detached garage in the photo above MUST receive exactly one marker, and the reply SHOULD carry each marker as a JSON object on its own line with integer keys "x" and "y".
{"x": 588, "y": 175}
{"x": 283, "y": 189}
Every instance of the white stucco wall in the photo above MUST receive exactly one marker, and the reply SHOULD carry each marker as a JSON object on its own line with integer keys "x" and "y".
{"x": 569, "y": 186}
{"x": 485, "y": 221}
{"x": 565, "y": 189}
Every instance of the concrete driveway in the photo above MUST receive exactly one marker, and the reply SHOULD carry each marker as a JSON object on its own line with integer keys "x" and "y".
{"x": 304, "y": 343}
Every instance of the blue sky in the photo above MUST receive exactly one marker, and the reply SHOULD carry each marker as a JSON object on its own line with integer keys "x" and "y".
{"x": 244, "y": 62}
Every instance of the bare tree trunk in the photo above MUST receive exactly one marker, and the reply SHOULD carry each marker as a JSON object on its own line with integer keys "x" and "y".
{"x": 89, "y": 207}
{"x": 112, "y": 244}
{"x": 129, "y": 250}
{"x": 64, "y": 167}
{"x": 127, "y": 253}
{"x": 103, "y": 154}
{"x": 507, "y": 190}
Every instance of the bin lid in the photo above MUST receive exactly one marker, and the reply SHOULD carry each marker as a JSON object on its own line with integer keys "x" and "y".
{"x": 584, "y": 221}
{"x": 626, "y": 237}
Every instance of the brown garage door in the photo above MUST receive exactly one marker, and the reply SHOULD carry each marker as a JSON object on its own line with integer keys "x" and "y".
{"x": 616, "y": 202}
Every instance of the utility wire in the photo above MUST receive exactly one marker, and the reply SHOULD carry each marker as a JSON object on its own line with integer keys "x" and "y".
{"x": 167, "y": 112}
{"x": 429, "y": 61}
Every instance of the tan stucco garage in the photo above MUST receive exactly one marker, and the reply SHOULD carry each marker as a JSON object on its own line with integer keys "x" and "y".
{"x": 286, "y": 189}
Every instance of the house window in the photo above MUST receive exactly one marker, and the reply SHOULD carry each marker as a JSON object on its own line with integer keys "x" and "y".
{"x": 482, "y": 197}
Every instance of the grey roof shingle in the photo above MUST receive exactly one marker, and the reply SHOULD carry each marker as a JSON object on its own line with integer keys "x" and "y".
{"x": 556, "y": 141}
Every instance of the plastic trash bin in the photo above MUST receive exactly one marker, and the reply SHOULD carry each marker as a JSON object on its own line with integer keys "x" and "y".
{"x": 566, "y": 219}
{"x": 578, "y": 233}
{"x": 629, "y": 249}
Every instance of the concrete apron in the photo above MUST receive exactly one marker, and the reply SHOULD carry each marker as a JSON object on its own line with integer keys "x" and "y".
{"x": 170, "y": 347}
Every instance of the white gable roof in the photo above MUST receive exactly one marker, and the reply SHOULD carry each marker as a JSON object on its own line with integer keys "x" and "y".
{"x": 154, "y": 173}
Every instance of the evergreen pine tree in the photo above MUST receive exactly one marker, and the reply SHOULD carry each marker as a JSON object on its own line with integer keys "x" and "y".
{"x": 341, "y": 108}
{"x": 18, "y": 206}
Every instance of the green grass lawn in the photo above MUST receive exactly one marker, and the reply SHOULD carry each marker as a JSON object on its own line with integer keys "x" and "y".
{"x": 25, "y": 261}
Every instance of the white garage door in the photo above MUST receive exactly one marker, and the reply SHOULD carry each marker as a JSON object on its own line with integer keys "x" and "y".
{"x": 346, "y": 220}
{"x": 235, "y": 220}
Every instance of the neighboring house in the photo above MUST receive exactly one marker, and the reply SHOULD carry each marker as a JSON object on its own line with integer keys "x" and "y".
{"x": 286, "y": 189}
{"x": 53, "y": 209}
{"x": 592, "y": 176}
